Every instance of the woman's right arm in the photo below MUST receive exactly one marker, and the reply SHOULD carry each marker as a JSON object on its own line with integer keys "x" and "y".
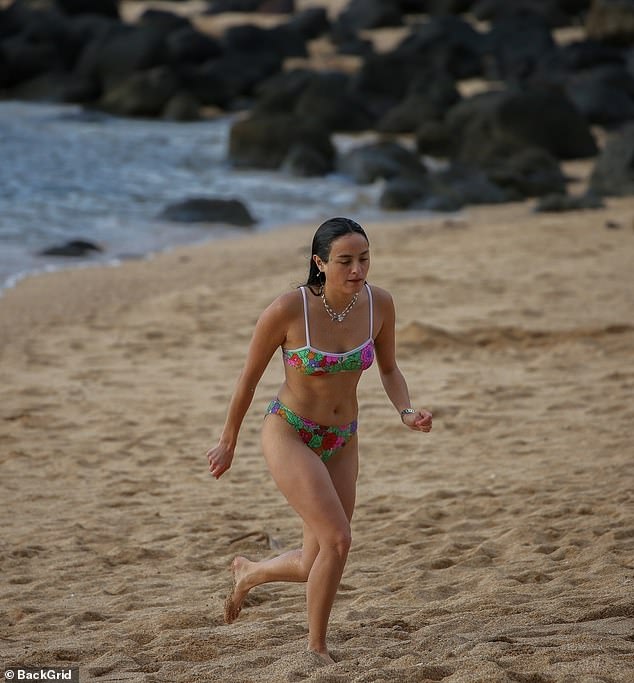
{"x": 268, "y": 335}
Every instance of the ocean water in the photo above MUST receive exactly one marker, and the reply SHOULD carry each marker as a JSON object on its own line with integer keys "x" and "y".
{"x": 67, "y": 173}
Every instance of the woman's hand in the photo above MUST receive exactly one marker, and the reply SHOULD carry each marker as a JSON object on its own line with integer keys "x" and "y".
{"x": 420, "y": 421}
{"x": 219, "y": 459}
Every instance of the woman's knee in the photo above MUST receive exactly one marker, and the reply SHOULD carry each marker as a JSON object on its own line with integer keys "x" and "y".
{"x": 339, "y": 540}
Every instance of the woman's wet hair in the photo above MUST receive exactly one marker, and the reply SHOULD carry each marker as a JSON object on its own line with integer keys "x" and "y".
{"x": 325, "y": 235}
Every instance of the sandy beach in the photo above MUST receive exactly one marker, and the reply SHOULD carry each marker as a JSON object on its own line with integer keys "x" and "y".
{"x": 498, "y": 548}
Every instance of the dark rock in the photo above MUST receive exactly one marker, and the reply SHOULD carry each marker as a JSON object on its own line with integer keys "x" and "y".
{"x": 429, "y": 99}
{"x": 163, "y": 21}
{"x": 21, "y": 60}
{"x": 367, "y": 163}
{"x": 305, "y": 161}
{"x": 106, "y": 8}
{"x": 352, "y": 44}
{"x": 550, "y": 11}
{"x": 401, "y": 193}
{"x": 144, "y": 93}
{"x": 219, "y": 81}
{"x": 113, "y": 57}
{"x": 447, "y": 190}
{"x": 51, "y": 86}
{"x": 433, "y": 138}
{"x": 208, "y": 210}
{"x": 446, "y": 44}
{"x": 72, "y": 248}
{"x": 585, "y": 54}
{"x": 328, "y": 101}
{"x": 360, "y": 15}
{"x": 311, "y": 22}
{"x": 604, "y": 95}
{"x": 221, "y": 6}
{"x": 276, "y": 7}
{"x": 495, "y": 124}
{"x": 442, "y": 7}
{"x": 279, "y": 93}
{"x": 384, "y": 80}
{"x": 611, "y": 21}
{"x": 518, "y": 43}
{"x": 264, "y": 141}
{"x": 282, "y": 41}
{"x": 613, "y": 173}
{"x": 182, "y": 106}
{"x": 262, "y": 6}
{"x": 187, "y": 45}
{"x": 565, "y": 202}
{"x": 530, "y": 172}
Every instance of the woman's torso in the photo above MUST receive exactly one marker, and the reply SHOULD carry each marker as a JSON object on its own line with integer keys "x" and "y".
{"x": 324, "y": 360}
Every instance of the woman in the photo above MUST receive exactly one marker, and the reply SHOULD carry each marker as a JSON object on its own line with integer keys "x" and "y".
{"x": 309, "y": 437}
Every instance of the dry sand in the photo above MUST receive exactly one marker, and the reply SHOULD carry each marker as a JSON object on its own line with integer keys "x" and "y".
{"x": 500, "y": 547}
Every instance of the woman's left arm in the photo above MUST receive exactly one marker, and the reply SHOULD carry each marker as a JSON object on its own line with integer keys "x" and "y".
{"x": 391, "y": 377}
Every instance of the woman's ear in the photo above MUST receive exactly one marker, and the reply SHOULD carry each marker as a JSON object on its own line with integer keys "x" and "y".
{"x": 319, "y": 263}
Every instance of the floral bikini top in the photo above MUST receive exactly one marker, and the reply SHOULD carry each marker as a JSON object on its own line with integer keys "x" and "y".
{"x": 311, "y": 361}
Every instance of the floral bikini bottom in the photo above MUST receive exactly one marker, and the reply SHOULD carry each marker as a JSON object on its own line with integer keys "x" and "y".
{"x": 324, "y": 440}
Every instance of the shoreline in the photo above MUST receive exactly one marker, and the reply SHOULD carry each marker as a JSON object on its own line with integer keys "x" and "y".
{"x": 123, "y": 278}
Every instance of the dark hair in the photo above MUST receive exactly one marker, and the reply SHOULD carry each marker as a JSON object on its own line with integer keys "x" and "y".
{"x": 326, "y": 234}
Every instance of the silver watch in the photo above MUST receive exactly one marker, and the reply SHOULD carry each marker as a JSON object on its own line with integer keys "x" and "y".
{"x": 407, "y": 411}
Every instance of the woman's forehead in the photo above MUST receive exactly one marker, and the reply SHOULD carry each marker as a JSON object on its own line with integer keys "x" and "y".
{"x": 352, "y": 243}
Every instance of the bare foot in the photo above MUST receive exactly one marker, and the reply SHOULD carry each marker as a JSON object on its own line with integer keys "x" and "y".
{"x": 322, "y": 657}
{"x": 239, "y": 589}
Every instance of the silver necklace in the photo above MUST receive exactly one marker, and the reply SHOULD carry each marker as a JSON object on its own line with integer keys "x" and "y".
{"x": 334, "y": 316}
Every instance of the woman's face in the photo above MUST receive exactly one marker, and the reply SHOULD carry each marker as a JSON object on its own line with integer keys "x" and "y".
{"x": 348, "y": 263}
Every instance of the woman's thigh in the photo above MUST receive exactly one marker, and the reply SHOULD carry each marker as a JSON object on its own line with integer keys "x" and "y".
{"x": 304, "y": 480}
{"x": 343, "y": 468}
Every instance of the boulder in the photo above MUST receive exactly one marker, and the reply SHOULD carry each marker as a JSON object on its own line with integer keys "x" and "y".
{"x": 518, "y": 42}
{"x": 144, "y": 93}
{"x": 434, "y": 139}
{"x": 208, "y": 210}
{"x": 304, "y": 161}
{"x": 282, "y": 41}
{"x": 189, "y": 46}
{"x": 163, "y": 21}
{"x": 445, "y": 44}
{"x": 604, "y": 94}
{"x": 311, "y": 23}
{"x": 106, "y": 8}
{"x": 430, "y": 97}
{"x": 447, "y": 190}
{"x": 21, "y": 60}
{"x": 220, "y": 81}
{"x": 493, "y": 124}
{"x": 328, "y": 100}
{"x": 551, "y": 11}
{"x": 74, "y": 248}
{"x": 529, "y": 172}
{"x": 558, "y": 203}
{"x": 279, "y": 93}
{"x": 611, "y": 21}
{"x": 264, "y": 141}
{"x": 362, "y": 15}
{"x": 182, "y": 106}
{"x": 613, "y": 173}
{"x": 367, "y": 163}
{"x": 112, "y": 57}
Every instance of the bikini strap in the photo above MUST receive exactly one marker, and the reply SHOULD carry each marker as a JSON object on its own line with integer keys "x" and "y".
{"x": 367, "y": 286}
{"x": 303, "y": 289}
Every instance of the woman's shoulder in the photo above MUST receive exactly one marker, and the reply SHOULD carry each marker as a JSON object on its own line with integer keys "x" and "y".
{"x": 286, "y": 305}
{"x": 380, "y": 296}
